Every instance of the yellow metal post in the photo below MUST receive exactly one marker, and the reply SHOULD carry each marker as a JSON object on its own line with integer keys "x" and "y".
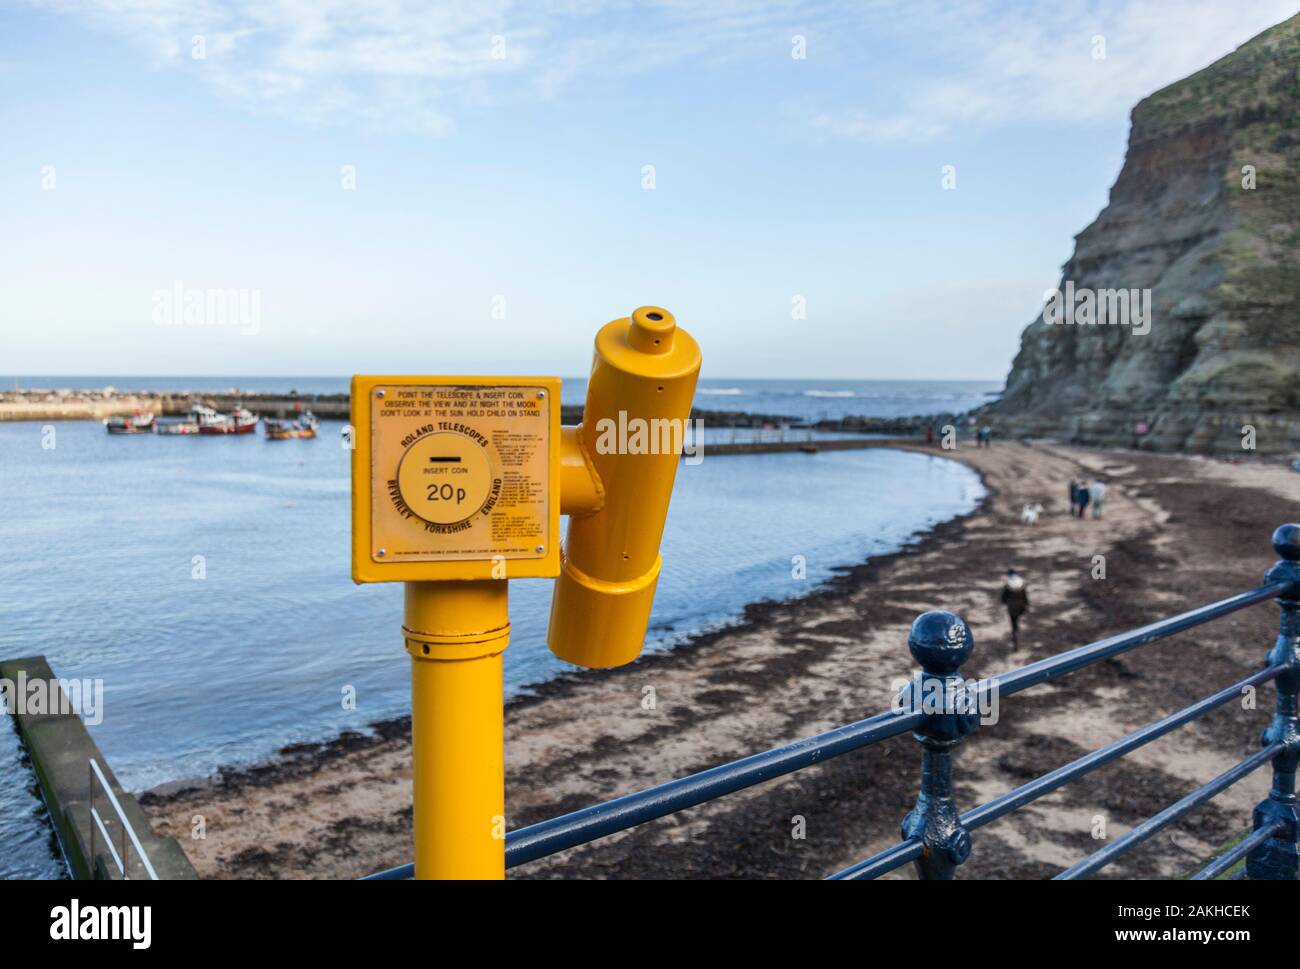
{"x": 456, "y": 633}
{"x": 458, "y": 483}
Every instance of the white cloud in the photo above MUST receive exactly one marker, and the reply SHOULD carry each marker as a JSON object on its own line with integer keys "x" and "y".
{"x": 418, "y": 65}
{"x": 990, "y": 65}
{"x": 415, "y": 65}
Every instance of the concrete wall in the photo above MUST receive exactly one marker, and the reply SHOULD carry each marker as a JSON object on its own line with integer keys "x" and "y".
{"x": 60, "y": 749}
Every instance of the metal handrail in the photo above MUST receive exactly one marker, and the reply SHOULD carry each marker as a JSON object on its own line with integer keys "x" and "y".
{"x": 1153, "y": 825}
{"x": 936, "y": 836}
{"x": 127, "y": 830}
{"x": 1076, "y": 659}
{"x": 108, "y": 841}
{"x": 1035, "y": 789}
{"x": 975, "y": 818}
{"x": 588, "y": 824}
{"x": 1237, "y": 852}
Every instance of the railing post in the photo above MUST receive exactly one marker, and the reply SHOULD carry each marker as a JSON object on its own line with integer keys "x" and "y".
{"x": 1278, "y": 857}
{"x": 940, "y": 642}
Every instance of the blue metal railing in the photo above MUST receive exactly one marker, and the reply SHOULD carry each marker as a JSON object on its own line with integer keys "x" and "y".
{"x": 940, "y": 708}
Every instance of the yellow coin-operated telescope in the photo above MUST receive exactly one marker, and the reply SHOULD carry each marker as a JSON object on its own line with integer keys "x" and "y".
{"x": 458, "y": 484}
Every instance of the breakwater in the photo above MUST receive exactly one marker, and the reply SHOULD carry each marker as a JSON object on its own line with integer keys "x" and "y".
{"x": 56, "y": 404}
{"x": 64, "y": 757}
{"x": 73, "y": 405}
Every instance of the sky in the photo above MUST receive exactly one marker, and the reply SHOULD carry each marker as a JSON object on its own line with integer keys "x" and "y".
{"x": 816, "y": 190}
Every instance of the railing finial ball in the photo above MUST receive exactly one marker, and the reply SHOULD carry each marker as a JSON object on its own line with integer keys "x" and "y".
{"x": 941, "y": 642}
{"x": 1286, "y": 542}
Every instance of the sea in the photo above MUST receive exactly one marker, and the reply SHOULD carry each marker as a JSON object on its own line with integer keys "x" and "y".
{"x": 204, "y": 581}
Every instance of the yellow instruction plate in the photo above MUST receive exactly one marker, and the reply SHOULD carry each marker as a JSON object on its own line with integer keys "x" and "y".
{"x": 460, "y": 472}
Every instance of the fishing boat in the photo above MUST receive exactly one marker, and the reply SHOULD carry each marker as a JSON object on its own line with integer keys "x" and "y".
{"x": 180, "y": 426}
{"x": 136, "y": 423}
{"x": 304, "y": 427}
{"x": 241, "y": 421}
{"x": 202, "y": 414}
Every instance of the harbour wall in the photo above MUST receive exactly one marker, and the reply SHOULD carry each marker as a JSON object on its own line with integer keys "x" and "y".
{"x": 73, "y": 405}
{"x": 61, "y": 750}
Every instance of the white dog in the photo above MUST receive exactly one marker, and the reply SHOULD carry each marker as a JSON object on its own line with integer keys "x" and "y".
{"x": 1029, "y": 514}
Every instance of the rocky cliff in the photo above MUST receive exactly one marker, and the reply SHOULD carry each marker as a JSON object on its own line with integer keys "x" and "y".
{"x": 1205, "y": 215}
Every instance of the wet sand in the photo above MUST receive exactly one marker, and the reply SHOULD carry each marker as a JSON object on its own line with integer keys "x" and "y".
{"x": 1176, "y": 532}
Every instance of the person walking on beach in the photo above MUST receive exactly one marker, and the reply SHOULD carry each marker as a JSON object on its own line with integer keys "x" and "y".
{"x": 1096, "y": 491}
{"x": 1074, "y": 497}
{"x": 1015, "y": 596}
{"x": 1083, "y": 497}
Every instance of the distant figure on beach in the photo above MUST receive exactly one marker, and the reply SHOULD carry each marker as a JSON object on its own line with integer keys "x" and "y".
{"x": 1096, "y": 491}
{"x": 1084, "y": 497}
{"x": 986, "y": 436}
{"x": 1016, "y": 598}
{"x": 929, "y": 434}
{"x": 1074, "y": 497}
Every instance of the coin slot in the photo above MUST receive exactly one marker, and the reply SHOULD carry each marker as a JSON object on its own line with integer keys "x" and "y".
{"x": 445, "y": 478}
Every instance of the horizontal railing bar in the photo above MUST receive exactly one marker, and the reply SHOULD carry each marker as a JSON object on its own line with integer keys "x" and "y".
{"x": 908, "y": 850}
{"x": 588, "y": 824}
{"x": 1045, "y": 669}
{"x": 1238, "y": 851}
{"x": 400, "y": 873}
{"x": 987, "y": 813}
{"x": 880, "y": 864}
{"x": 599, "y": 820}
{"x": 1152, "y": 825}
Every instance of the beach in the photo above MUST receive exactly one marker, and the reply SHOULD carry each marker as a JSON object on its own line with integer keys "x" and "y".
{"x": 1176, "y": 532}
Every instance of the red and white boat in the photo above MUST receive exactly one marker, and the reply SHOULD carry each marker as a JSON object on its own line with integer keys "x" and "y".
{"x": 180, "y": 425}
{"x": 241, "y": 421}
